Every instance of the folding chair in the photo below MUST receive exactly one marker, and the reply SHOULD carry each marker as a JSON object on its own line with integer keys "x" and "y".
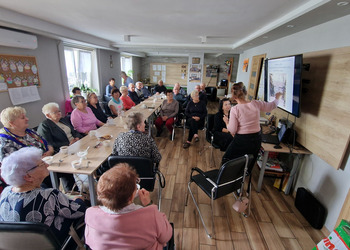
{"x": 146, "y": 169}
{"x": 33, "y": 235}
{"x": 219, "y": 182}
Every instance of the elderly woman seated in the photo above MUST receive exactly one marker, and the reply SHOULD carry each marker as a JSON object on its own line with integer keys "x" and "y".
{"x": 127, "y": 101}
{"x": 196, "y": 111}
{"x": 168, "y": 112}
{"x": 135, "y": 142}
{"x": 24, "y": 200}
{"x": 57, "y": 131}
{"x": 82, "y": 118}
{"x": 119, "y": 223}
{"x": 93, "y": 103}
{"x": 222, "y": 136}
{"x": 116, "y": 104}
{"x": 15, "y": 133}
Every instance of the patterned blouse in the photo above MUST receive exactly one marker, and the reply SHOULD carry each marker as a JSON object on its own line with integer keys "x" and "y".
{"x": 136, "y": 143}
{"x": 10, "y": 142}
{"x": 48, "y": 206}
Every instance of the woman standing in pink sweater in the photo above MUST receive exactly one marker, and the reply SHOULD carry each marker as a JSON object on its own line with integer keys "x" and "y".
{"x": 244, "y": 124}
{"x": 118, "y": 223}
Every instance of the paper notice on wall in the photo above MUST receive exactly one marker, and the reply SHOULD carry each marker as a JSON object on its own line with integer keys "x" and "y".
{"x": 154, "y": 67}
{"x": 159, "y": 67}
{"x": 163, "y": 67}
{"x": 157, "y": 73}
{"x": 155, "y": 79}
{"x": 3, "y": 86}
{"x": 24, "y": 95}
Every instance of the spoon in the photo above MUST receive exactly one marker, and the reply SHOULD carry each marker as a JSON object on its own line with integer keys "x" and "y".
{"x": 87, "y": 149}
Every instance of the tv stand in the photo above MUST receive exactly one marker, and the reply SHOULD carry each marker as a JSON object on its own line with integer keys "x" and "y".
{"x": 299, "y": 152}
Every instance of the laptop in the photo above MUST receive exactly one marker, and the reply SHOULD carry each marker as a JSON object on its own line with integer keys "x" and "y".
{"x": 274, "y": 139}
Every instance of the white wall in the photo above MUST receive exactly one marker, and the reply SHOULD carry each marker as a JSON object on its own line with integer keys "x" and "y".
{"x": 330, "y": 186}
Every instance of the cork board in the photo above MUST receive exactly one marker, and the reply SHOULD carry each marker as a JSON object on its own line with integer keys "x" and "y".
{"x": 255, "y": 73}
{"x": 323, "y": 126}
{"x": 18, "y": 71}
{"x": 170, "y": 73}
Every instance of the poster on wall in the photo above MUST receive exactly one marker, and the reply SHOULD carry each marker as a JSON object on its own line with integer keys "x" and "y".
{"x": 18, "y": 71}
{"x": 23, "y": 95}
{"x": 195, "y": 74}
{"x": 245, "y": 65}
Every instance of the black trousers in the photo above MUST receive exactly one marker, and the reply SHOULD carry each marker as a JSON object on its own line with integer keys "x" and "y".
{"x": 241, "y": 145}
{"x": 194, "y": 126}
{"x": 222, "y": 139}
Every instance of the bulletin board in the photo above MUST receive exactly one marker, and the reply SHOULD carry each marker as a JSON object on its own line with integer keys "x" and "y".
{"x": 18, "y": 71}
{"x": 170, "y": 73}
{"x": 323, "y": 127}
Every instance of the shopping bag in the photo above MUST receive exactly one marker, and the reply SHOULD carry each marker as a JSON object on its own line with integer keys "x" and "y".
{"x": 241, "y": 204}
{"x": 338, "y": 239}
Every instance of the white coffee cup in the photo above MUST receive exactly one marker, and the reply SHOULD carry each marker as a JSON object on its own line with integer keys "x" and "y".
{"x": 107, "y": 143}
{"x": 64, "y": 150}
{"x": 48, "y": 159}
{"x": 76, "y": 164}
{"x": 92, "y": 133}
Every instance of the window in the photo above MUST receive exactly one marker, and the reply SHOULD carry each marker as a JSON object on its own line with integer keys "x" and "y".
{"x": 126, "y": 65}
{"x": 79, "y": 66}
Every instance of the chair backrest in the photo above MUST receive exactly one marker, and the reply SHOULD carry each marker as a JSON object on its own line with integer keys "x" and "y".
{"x": 209, "y": 126}
{"x": 27, "y": 235}
{"x": 232, "y": 174}
{"x": 145, "y": 168}
{"x": 106, "y": 109}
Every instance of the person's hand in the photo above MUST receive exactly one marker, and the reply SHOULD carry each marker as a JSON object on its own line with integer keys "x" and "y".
{"x": 144, "y": 197}
{"x": 225, "y": 118}
{"x": 278, "y": 95}
{"x": 49, "y": 152}
{"x": 196, "y": 118}
{"x": 73, "y": 140}
{"x": 164, "y": 118}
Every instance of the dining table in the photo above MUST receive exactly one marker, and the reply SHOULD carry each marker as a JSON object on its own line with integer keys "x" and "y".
{"x": 98, "y": 146}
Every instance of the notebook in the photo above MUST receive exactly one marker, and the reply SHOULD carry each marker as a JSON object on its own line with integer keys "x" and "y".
{"x": 274, "y": 139}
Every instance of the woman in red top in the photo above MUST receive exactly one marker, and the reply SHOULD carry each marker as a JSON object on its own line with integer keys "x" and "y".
{"x": 127, "y": 102}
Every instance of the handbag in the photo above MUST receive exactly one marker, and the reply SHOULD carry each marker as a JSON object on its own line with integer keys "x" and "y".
{"x": 241, "y": 204}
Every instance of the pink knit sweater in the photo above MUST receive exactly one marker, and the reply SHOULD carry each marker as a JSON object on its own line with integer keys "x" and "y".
{"x": 244, "y": 118}
{"x": 144, "y": 228}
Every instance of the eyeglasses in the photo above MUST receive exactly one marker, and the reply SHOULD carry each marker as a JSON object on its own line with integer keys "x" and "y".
{"x": 42, "y": 163}
{"x": 56, "y": 112}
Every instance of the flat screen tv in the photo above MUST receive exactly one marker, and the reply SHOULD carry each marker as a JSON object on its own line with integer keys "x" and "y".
{"x": 283, "y": 75}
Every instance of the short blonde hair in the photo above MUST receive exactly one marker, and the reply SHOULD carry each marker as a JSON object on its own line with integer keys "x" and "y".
{"x": 123, "y": 88}
{"x": 194, "y": 93}
{"x": 47, "y": 108}
{"x": 10, "y": 114}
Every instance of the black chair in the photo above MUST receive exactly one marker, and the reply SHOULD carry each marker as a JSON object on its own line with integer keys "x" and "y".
{"x": 211, "y": 93}
{"x": 209, "y": 134}
{"x": 106, "y": 109}
{"x": 219, "y": 182}
{"x": 32, "y": 235}
{"x": 146, "y": 169}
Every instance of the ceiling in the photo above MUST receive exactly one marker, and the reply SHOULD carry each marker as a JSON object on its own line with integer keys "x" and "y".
{"x": 164, "y": 27}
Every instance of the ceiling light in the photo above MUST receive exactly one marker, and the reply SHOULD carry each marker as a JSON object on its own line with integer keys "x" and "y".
{"x": 342, "y": 3}
{"x": 290, "y": 26}
{"x": 203, "y": 39}
{"x": 126, "y": 38}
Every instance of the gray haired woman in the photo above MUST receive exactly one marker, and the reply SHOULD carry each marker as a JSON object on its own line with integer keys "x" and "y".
{"x": 25, "y": 200}
{"x": 57, "y": 131}
{"x": 135, "y": 142}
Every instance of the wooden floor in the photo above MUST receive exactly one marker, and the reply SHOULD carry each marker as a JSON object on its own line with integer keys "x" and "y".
{"x": 273, "y": 224}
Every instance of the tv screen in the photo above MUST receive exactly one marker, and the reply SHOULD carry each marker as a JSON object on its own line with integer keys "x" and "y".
{"x": 283, "y": 75}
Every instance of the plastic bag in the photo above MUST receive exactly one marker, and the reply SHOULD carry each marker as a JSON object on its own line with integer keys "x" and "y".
{"x": 338, "y": 239}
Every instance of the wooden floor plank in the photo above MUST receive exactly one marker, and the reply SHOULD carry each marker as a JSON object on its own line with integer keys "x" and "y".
{"x": 304, "y": 239}
{"x": 271, "y": 237}
{"x": 223, "y": 235}
{"x": 277, "y": 220}
{"x": 253, "y": 233}
{"x": 234, "y": 218}
{"x": 291, "y": 244}
{"x": 240, "y": 241}
{"x": 190, "y": 239}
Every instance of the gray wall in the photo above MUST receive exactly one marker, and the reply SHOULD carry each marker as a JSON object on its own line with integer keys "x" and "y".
{"x": 53, "y": 87}
{"x": 330, "y": 186}
{"x": 50, "y": 78}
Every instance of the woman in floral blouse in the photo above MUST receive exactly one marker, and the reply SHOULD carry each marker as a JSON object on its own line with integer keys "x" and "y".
{"x": 25, "y": 200}
{"x": 135, "y": 142}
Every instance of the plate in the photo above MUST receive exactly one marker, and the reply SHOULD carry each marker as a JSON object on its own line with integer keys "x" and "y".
{"x": 106, "y": 137}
